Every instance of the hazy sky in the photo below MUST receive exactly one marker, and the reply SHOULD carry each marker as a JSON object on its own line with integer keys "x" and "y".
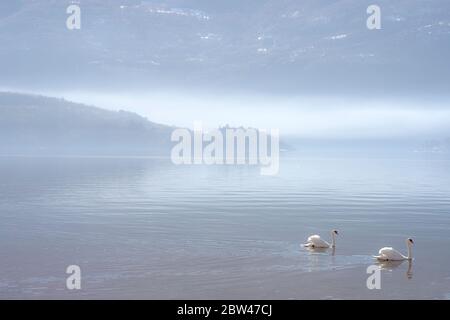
{"x": 313, "y": 117}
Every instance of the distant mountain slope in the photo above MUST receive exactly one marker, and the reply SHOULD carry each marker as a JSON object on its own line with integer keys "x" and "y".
{"x": 31, "y": 124}
{"x": 318, "y": 45}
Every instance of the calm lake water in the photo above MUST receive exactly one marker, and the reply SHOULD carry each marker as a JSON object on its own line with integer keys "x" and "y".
{"x": 145, "y": 228}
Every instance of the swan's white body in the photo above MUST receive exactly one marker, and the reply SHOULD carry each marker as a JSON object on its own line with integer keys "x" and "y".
{"x": 390, "y": 254}
{"x": 315, "y": 241}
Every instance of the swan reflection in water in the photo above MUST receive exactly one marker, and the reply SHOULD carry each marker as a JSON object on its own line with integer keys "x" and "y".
{"x": 392, "y": 265}
{"x": 316, "y": 258}
{"x": 321, "y": 250}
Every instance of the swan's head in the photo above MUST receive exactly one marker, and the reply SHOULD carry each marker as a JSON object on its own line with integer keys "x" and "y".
{"x": 410, "y": 241}
{"x": 335, "y": 232}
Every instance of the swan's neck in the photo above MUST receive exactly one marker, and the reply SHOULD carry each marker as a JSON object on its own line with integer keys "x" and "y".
{"x": 333, "y": 240}
{"x": 409, "y": 257}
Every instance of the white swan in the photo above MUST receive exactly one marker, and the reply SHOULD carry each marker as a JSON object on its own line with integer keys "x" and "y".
{"x": 390, "y": 254}
{"x": 315, "y": 241}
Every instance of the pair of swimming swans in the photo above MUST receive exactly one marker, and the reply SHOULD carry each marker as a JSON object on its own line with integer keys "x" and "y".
{"x": 385, "y": 254}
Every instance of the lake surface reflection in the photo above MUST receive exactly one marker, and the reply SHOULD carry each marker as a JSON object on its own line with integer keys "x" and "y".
{"x": 145, "y": 228}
